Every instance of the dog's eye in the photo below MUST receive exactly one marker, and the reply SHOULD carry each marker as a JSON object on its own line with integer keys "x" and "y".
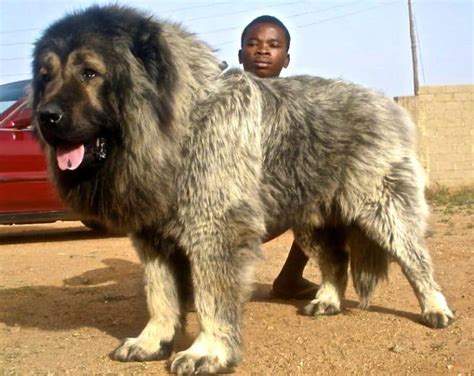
{"x": 45, "y": 77}
{"x": 88, "y": 74}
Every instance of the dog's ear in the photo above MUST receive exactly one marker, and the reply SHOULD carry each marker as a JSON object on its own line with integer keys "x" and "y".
{"x": 150, "y": 48}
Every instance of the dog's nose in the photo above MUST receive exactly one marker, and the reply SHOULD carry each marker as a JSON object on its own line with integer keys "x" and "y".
{"x": 50, "y": 115}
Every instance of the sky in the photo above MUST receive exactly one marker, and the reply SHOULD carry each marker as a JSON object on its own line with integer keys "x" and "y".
{"x": 365, "y": 41}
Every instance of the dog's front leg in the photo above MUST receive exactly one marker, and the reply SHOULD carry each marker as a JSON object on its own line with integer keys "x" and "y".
{"x": 221, "y": 281}
{"x": 155, "y": 342}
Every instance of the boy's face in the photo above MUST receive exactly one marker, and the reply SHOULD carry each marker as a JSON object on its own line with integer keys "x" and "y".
{"x": 264, "y": 50}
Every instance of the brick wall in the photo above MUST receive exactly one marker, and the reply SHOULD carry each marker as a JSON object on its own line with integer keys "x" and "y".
{"x": 445, "y": 119}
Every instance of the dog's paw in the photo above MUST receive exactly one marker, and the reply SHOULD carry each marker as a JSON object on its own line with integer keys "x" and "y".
{"x": 139, "y": 350}
{"x": 437, "y": 320}
{"x": 318, "y": 307}
{"x": 327, "y": 302}
{"x": 437, "y": 313}
{"x": 186, "y": 363}
{"x": 207, "y": 355}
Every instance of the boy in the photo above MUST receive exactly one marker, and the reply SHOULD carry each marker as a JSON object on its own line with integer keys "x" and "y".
{"x": 264, "y": 52}
{"x": 264, "y": 47}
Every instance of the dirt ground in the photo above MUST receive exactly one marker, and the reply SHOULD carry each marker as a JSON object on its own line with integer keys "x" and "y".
{"x": 69, "y": 296}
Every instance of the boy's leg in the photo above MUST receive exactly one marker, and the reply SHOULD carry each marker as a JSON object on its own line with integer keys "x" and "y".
{"x": 290, "y": 282}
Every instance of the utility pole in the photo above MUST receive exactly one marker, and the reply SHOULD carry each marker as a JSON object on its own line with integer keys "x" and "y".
{"x": 414, "y": 52}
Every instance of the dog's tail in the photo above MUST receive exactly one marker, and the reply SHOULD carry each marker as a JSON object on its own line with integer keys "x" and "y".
{"x": 369, "y": 265}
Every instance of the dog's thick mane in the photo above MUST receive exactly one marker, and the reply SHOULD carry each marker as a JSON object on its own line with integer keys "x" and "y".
{"x": 166, "y": 71}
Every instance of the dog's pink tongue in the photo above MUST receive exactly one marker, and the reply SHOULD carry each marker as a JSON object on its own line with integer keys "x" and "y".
{"x": 69, "y": 158}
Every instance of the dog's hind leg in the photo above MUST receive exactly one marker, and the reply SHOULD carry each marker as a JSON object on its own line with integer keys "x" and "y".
{"x": 155, "y": 342}
{"x": 395, "y": 219}
{"x": 221, "y": 282}
{"x": 326, "y": 245}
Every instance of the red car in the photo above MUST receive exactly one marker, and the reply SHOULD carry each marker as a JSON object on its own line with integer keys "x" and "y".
{"x": 26, "y": 194}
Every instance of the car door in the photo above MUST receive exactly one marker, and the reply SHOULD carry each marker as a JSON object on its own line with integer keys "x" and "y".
{"x": 24, "y": 184}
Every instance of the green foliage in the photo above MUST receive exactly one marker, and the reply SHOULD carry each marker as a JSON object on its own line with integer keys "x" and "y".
{"x": 442, "y": 196}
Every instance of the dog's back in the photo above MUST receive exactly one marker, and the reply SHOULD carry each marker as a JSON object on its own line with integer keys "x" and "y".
{"x": 325, "y": 142}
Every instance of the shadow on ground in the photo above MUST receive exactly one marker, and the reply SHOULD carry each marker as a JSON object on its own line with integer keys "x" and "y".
{"x": 110, "y": 299}
{"x": 34, "y": 234}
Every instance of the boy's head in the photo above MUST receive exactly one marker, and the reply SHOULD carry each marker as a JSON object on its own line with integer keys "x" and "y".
{"x": 264, "y": 47}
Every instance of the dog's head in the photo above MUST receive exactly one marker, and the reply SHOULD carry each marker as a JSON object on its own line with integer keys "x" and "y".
{"x": 92, "y": 72}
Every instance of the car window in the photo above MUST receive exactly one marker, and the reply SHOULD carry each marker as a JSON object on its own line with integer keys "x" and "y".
{"x": 5, "y": 105}
{"x": 11, "y": 92}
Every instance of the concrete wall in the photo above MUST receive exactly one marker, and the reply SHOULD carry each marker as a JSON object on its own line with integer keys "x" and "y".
{"x": 445, "y": 119}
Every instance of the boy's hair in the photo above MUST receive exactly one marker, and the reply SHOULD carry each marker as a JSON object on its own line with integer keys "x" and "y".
{"x": 271, "y": 20}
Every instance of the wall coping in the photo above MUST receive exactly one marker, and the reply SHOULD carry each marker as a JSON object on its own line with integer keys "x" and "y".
{"x": 431, "y": 89}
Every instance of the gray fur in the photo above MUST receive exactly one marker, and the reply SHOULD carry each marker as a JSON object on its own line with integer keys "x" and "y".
{"x": 369, "y": 264}
{"x": 238, "y": 158}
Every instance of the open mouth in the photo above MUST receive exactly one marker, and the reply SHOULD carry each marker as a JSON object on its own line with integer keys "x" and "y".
{"x": 81, "y": 155}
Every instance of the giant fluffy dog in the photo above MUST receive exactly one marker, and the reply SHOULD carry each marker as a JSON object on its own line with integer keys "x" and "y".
{"x": 144, "y": 132}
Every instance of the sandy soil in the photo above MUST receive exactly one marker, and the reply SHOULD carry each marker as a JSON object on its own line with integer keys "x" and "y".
{"x": 69, "y": 296}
